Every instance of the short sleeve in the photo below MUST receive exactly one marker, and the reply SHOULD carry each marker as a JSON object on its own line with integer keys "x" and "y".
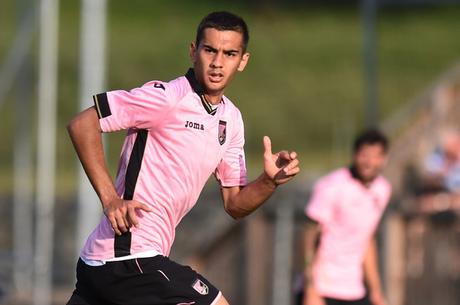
{"x": 321, "y": 204}
{"x": 231, "y": 171}
{"x": 140, "y": 108}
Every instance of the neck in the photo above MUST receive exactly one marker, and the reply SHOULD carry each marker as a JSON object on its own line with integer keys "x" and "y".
{"x": 213, "y": 99}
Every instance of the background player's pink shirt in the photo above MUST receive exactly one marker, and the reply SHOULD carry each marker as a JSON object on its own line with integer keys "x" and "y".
{"x": 348, "y": 214}
{"x": 184, "y": 145}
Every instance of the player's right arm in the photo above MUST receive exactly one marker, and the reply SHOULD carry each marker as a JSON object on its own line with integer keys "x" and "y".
{"x": 312, "y": 233}
{"x": 372, "y": 274}
{"x": 86, "y": 135}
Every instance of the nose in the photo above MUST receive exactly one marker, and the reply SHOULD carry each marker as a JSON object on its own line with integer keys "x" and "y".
{"x": 217, "y": 60}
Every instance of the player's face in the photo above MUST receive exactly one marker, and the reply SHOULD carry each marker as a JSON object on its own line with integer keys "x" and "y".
{"x": 369, "y": 161}
{"x": 217, "y": 59}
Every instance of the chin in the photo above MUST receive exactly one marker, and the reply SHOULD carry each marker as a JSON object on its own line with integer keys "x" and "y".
{"x": 214, "y": 88}
{"x": 369, "y": 177}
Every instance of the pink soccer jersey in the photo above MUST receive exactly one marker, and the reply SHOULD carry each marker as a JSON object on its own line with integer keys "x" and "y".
{"x": 175, "y": 141}
{"x": 348, "y": 214}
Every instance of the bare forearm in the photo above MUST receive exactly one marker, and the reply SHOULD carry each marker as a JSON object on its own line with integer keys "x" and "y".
{"x": 249, "y": 198}
{"x": 86, "y": 137}
{"x": 371, "y": 268}
{"x": 279, "y": 168}
{"x": 311, "y": 236}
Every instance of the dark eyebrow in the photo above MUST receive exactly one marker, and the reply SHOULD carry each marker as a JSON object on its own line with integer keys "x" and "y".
{"x": 231, "y": 51}
{"x": 209, "y": 47}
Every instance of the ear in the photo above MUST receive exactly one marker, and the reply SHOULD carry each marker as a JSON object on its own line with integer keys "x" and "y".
{"x": 243, "y": 62}
{"x": 192, "y": 52}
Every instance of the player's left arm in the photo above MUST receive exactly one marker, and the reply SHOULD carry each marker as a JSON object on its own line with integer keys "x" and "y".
{"x": 371, "y": 272}
{"x": 279, "y": 168}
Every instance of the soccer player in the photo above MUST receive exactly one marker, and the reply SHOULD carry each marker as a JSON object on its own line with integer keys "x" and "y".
{"x": 343, "y": 214}
{"x": 178, "y": 134}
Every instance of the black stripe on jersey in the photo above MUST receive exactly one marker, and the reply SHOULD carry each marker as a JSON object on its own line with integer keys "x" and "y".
{"x": 122, "y": 244}
{"x": 198, "y": 88}
{"x": 102, "y": 105}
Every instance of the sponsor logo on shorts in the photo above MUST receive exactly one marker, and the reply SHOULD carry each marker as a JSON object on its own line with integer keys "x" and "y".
{"x": 200, "y": 287}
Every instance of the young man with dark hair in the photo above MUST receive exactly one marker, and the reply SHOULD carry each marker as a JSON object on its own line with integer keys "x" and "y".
{"x": 179, "y": 133}
{"x": 342, "y": 214}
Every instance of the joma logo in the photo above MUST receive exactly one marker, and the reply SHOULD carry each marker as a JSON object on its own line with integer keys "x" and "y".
{"x": 194, "y": 125}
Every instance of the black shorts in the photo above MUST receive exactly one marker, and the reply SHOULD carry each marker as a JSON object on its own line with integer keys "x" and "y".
{"x": 363, "y": 301}
{"x": 142, "y": 281}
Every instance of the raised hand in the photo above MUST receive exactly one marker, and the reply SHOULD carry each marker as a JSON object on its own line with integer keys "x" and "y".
{"x": 122, "y": 214}
{"x": 280, "y": 167}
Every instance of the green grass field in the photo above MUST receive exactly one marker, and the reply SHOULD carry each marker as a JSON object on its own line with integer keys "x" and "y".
{"x": 303, "y": 85}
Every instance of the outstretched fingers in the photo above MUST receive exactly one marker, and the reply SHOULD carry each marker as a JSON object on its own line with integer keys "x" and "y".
{"x": 281, "y": 166}
{"x": 113, "y": 222}
{"x": 292, "y": 168}
{"x": 122, "y": 222}
{"x": 122, "y": 214}
{"x": 286, "y": 155}
{"x": 283, "y": 158}
{"x": 118, "y": 221}
{"x": 131, "y": 214}
{"x": 287, "y": 160}
{"x": 267, "y": 147}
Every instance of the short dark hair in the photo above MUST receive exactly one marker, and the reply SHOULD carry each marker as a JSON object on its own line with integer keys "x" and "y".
{"x": 370, "y": 137}
{"x": 223, "y": 21}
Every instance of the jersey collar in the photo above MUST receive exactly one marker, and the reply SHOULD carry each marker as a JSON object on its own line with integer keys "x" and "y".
{"x": 198, "y": 88}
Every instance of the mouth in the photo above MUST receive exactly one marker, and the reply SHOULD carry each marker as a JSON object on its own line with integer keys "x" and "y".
{"x": 215, "y": 77}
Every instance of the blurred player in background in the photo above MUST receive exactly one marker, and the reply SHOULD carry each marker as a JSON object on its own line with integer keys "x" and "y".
{"x": 343, "y": 214}
{"x": 178, "y": 134}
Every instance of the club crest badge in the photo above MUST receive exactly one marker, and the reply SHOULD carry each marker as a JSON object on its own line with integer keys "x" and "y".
{"x": 222, "y": 132}
{"x": 200, "y": 287}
